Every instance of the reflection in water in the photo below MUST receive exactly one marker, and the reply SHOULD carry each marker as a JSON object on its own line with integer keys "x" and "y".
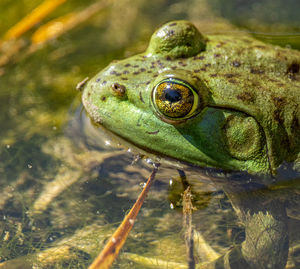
{"x": 261, "y": 208}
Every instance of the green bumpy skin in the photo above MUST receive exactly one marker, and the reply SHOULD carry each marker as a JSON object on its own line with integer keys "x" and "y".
{"x": 247, "y": 93}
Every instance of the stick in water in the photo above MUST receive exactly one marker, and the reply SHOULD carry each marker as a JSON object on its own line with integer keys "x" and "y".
{"x": 32, "y": 18}
{"x": 115, "y": 243}
{"x": 188, "y": 226}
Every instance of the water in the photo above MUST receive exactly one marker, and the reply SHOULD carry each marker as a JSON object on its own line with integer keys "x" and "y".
{"x": 64, "y": 186}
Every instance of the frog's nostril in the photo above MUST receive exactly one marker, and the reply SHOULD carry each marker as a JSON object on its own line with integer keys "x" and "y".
{"x": 118, "y": 89}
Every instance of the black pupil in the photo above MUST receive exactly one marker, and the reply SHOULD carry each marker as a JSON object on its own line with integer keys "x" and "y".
{"x": 172, "y": 95}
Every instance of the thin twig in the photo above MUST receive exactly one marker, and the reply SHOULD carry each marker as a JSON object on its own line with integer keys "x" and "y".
{"x": 115, "y": 243}
{"x": 189, "y": 230}
{"x": 32, "y": 18}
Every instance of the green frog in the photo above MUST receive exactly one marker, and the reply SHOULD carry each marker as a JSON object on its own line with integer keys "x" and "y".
{"x": 229, "y": 106}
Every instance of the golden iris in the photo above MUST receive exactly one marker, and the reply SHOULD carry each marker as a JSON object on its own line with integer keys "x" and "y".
{"x": 174, "y": 98}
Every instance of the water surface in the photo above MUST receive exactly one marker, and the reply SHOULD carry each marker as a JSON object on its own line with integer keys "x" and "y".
{"x": 65, "y": 186}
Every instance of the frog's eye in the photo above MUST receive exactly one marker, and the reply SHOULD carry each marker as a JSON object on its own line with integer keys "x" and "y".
{"x": 175, "y": 99}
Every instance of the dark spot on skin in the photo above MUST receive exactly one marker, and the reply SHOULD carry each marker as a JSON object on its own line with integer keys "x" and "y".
{"x": 156, "y": 75}
{"x": 173, "y": 24}
{"x": 207, "y": 65}
{"x": 168, "y": 58}
{"x": 98, "y": 79}
{"x": 257, "y": 71}
{"x": 152, "y": 66}
{"x": 197, "y": 70}
{"x": 199, "y": 57}
{"x": 203, "y": 69}
{"x": 135, "y": 66}
{"x": 182, "y": 63}
{"x": 112, "y": 72}
{"x": 89, "y": 94}
{"x": 246, "y": 97}
{"x": 141, "y": 98}
{"x": 236, "y": 64}
{"x": 148, "y": 82}
{"x": 232, "y": 81}
{"x": 125, "y": 72}
{"x": 142, "y": 69}
{"x": 118, "y": 89}
{"x": 127, "y": 65}
{"x": 103, "y": 98}
{"x": 213, "y": 75}
{"x": 195, "y": 77}
{"x": 124, "y": 78}
{"x": 278, "y": 101}
{"x": 104, "y": 82}
{"x": 135, "y": 73}
{"x": 229, "y": 75}
{"x": 173, "y": 67}
{"x": 153, "y": 133}
{"x": 217, "y": 55}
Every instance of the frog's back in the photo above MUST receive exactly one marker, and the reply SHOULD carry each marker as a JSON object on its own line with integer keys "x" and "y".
{"x": 261, "y": 80}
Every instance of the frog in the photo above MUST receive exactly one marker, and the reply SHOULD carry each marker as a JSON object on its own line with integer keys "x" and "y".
{"x": 227, "y": 105}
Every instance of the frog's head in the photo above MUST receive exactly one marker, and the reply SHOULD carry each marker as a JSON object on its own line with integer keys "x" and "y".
{"x": 220, "y": 101}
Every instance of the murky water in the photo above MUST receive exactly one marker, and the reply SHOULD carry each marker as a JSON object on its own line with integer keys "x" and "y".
{"x": 65, "y": 186}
